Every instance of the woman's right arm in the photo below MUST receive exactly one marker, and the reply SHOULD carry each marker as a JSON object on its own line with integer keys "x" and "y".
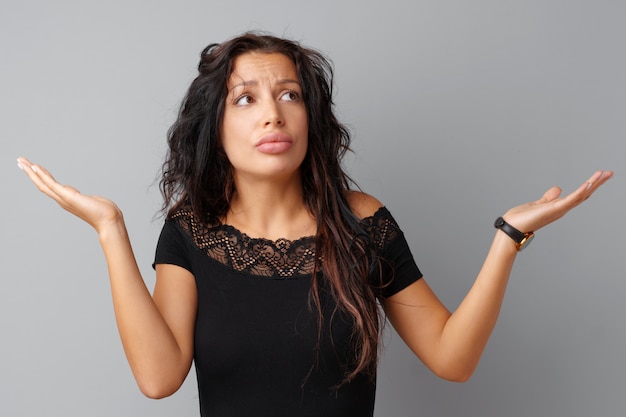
{"x": 156, "y": 330}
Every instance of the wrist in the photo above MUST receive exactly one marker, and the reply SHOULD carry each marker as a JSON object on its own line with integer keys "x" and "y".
{"x": 504, "y": 243}
{"x": 519, "y": 238}
{"x": 112, "y": 230}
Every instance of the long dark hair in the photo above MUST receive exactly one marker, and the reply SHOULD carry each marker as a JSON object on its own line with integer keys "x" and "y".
{"x": 197, "y": 172}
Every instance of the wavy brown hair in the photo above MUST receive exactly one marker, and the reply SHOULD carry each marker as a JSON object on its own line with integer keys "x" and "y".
{"x": 197, "y": 172}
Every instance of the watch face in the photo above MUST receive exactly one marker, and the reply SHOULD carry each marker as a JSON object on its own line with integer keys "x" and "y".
{"x": 526, "y": 241}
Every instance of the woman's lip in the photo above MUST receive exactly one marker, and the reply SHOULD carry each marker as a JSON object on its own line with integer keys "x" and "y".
{"x": 274, "y": 143}
{"x": 274, "y": 137}
{"x": 274, "y": 147}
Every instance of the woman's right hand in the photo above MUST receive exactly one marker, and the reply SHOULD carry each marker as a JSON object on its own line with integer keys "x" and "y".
{"x": 99, "y": 212}
{"x": 157, "y": 334}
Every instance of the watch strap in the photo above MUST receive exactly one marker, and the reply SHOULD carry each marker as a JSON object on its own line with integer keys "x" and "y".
{"x": 513, "y": 233}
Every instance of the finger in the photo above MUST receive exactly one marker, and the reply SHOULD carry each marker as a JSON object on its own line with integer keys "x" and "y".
{"x": 594, "y": 179}
{"x": 604, "y": 177}
{"x": 593, "y": 187}
{"x": 593, "y": 183}
{"x": 45, "y": 182}
{"x": 21, "y": 162}
{"x": 550, "y": 195}
{"x": 589, "y": 187}
{"x": 34, "y": 174}
{"x": 48, "y": 179}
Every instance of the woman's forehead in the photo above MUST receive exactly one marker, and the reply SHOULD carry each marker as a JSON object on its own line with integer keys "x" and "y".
{"x": 252, "y": 68}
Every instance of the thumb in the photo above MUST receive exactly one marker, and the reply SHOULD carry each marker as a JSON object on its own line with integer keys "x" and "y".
{"x": 550, "y": 195}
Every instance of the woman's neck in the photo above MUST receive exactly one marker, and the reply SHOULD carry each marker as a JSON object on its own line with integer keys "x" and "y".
{"x": 271, "y": 210}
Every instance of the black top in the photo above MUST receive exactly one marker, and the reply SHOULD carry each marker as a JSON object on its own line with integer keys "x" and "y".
{"x": 256, "y": 332}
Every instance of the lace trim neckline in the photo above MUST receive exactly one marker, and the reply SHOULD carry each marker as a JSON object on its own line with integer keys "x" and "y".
{"x": 365, "y": 221}
{"x": 245, "y": 237}
{"x": 281, "y": 258}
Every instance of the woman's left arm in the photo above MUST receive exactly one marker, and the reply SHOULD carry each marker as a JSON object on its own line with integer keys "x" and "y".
{"x": 451, "y": 344}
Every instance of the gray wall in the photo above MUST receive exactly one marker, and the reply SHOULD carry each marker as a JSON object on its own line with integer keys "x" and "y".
{"x": 459, "y": 110}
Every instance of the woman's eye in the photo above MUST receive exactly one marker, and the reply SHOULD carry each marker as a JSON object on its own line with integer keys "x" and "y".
{"x": 243, "y": 100}
{"x": 290, "y": 96}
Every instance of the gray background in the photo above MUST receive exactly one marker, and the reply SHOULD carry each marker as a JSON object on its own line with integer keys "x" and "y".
{"x": 459, "y": 109}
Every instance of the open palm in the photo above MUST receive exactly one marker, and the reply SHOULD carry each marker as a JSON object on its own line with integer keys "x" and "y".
{"x": 551, "y": 206}
{"x": 97, "y": 211}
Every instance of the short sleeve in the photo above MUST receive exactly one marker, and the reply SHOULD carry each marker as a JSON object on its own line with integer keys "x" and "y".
{"x": 172, "y": 247}
{"x": 401, "y": 268}
{"x": 397, "y": 269}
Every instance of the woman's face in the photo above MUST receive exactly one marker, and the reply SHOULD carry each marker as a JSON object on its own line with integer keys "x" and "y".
{"x": 265, "y": 128}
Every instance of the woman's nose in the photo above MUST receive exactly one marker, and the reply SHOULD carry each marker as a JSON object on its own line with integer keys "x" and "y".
{"x": 273, "y": 115}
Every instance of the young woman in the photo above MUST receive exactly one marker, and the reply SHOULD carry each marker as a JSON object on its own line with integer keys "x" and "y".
{"x": 272, "y": 274}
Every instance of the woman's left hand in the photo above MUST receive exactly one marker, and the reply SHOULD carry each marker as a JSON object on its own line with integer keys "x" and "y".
{"x": 532, "y": 216}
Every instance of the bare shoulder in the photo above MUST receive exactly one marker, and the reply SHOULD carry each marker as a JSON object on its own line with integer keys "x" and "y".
{"x": 363, "y": 205}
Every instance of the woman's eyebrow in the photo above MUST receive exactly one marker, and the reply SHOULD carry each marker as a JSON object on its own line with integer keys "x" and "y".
{"x": 255, "y": 83}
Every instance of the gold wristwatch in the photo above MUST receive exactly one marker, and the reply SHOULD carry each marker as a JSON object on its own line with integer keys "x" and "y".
{"x": 521, "y": 239}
